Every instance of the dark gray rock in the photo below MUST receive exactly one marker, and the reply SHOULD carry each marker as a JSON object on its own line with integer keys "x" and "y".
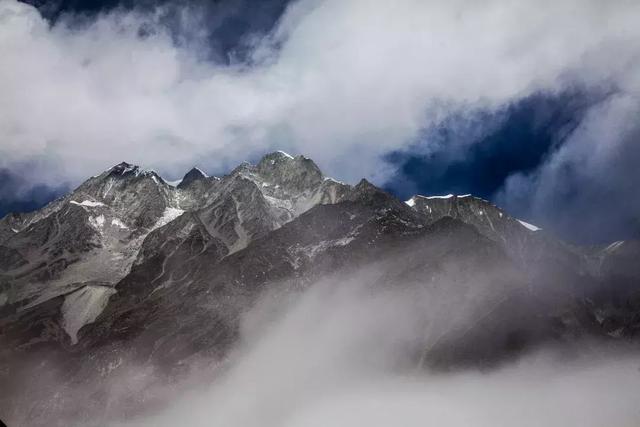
{"x": 194, "y": 175}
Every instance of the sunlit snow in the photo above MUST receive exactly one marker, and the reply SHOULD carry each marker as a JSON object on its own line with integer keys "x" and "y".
{"x": 529, "y": 226}
{"x": 87, "y": 203}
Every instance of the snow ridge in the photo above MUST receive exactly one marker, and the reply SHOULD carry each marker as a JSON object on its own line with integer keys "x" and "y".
{"x": 529, "y": 226}
{"x": 87, "y": 203}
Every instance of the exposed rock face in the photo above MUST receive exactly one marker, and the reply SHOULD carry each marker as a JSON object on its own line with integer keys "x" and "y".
{"x": 193, "y": 176}
{"x": 517, "y": 236}
{"x": 604, "y": 279}
{"x": 95, "y": 234}
{"x": 254, "y": 200}
{"x": 541, "y": 255}
{"x": 487, "y": 218}
{"x": 130, "y": 269}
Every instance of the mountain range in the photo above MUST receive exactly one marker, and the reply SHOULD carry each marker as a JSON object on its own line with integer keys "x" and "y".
{"x": 130, "y": 270}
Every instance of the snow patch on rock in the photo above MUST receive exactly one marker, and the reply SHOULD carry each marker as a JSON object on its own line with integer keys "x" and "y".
{"x": 108, "y": 187}
{"x": 615, "y": 245}
{"x": 119, "y": 224}
{"x": 312, "y": 250}
{"x": 168, "y": 215}
{"x": 201, "y": 171}
{"x": 328, "y": 178}
{"x": 287, "y": 155}
{"x": 82, "y": 307}
{"x": 529, "y": 226}
{"x": 126, "y": 169}
{"x": 448, "y": 196}
{"x": 87, "y": 203}
{"x": 97, "y": 222}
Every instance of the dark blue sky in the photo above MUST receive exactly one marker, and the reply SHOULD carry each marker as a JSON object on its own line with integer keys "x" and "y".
{"x": 231, "y": 23}
{"x": 14, "y": 199}
{"x": 476, "y": 153}
{"x": 521, "y": 138}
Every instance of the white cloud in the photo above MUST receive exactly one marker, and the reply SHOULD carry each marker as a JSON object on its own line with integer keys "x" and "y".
{"x": 351, "y": 80}
{"x": 339, "y": 358}
{"x": 344, "y": 352}
{"x": 587, "y": 188}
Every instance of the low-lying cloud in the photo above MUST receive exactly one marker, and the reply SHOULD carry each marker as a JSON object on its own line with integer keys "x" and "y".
{"x": 343, "y": 352}
{"x": 340, "y": 357}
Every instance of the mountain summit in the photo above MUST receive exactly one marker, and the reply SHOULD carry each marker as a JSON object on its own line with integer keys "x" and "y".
{"x": 193, "y": 175}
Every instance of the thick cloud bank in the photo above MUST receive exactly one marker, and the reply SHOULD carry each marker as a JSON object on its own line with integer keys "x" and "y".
{"x": 588, "y": 188}
{"x": 346, "y": 352}
{"x": 339, "y": 358}
{"x": 335, "y": 80}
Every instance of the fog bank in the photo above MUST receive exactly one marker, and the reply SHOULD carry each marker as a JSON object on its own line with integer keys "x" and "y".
{"x": 347, "y": 358}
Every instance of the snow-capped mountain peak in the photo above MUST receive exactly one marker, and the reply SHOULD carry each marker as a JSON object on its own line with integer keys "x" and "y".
{"x": 193, "y": 175}
{"x": 124, "y": 168}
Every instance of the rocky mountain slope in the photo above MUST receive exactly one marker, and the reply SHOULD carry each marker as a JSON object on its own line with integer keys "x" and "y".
{"x": 81, "y": 245}
{"x": 129, "y": 270}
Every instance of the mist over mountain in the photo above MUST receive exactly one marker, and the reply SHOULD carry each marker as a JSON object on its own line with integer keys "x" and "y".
{"x": 450, "y": 237}
{"x": 276, "y": 287}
